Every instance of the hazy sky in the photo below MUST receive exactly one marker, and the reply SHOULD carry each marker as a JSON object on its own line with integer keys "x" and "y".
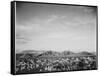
{"x": 55, "y": 27}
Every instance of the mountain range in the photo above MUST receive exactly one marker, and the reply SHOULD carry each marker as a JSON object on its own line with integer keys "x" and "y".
{"x": 50, "y": 53}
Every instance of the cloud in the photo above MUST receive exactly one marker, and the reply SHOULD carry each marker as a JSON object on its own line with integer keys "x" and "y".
{"x": 53, "y": 27}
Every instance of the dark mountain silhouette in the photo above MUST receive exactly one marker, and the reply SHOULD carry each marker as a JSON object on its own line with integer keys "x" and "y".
{"x": 51, "y": 53}
{"x": 67, "y": 53}
{"x": 94, "y": 53}
{"x": 86, "y": 53}
{"x": 28, "y": 54}
{"x": 64, "y": 54}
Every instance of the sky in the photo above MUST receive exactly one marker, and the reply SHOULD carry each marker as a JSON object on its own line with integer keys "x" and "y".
{"x": 55, "y": 27}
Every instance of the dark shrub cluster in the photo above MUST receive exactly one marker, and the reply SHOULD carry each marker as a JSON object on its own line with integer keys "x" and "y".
{"x": 31, "y": 64}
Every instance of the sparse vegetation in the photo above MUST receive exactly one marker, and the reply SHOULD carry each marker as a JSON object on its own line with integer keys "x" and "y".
{"x": 53, "y": 61}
